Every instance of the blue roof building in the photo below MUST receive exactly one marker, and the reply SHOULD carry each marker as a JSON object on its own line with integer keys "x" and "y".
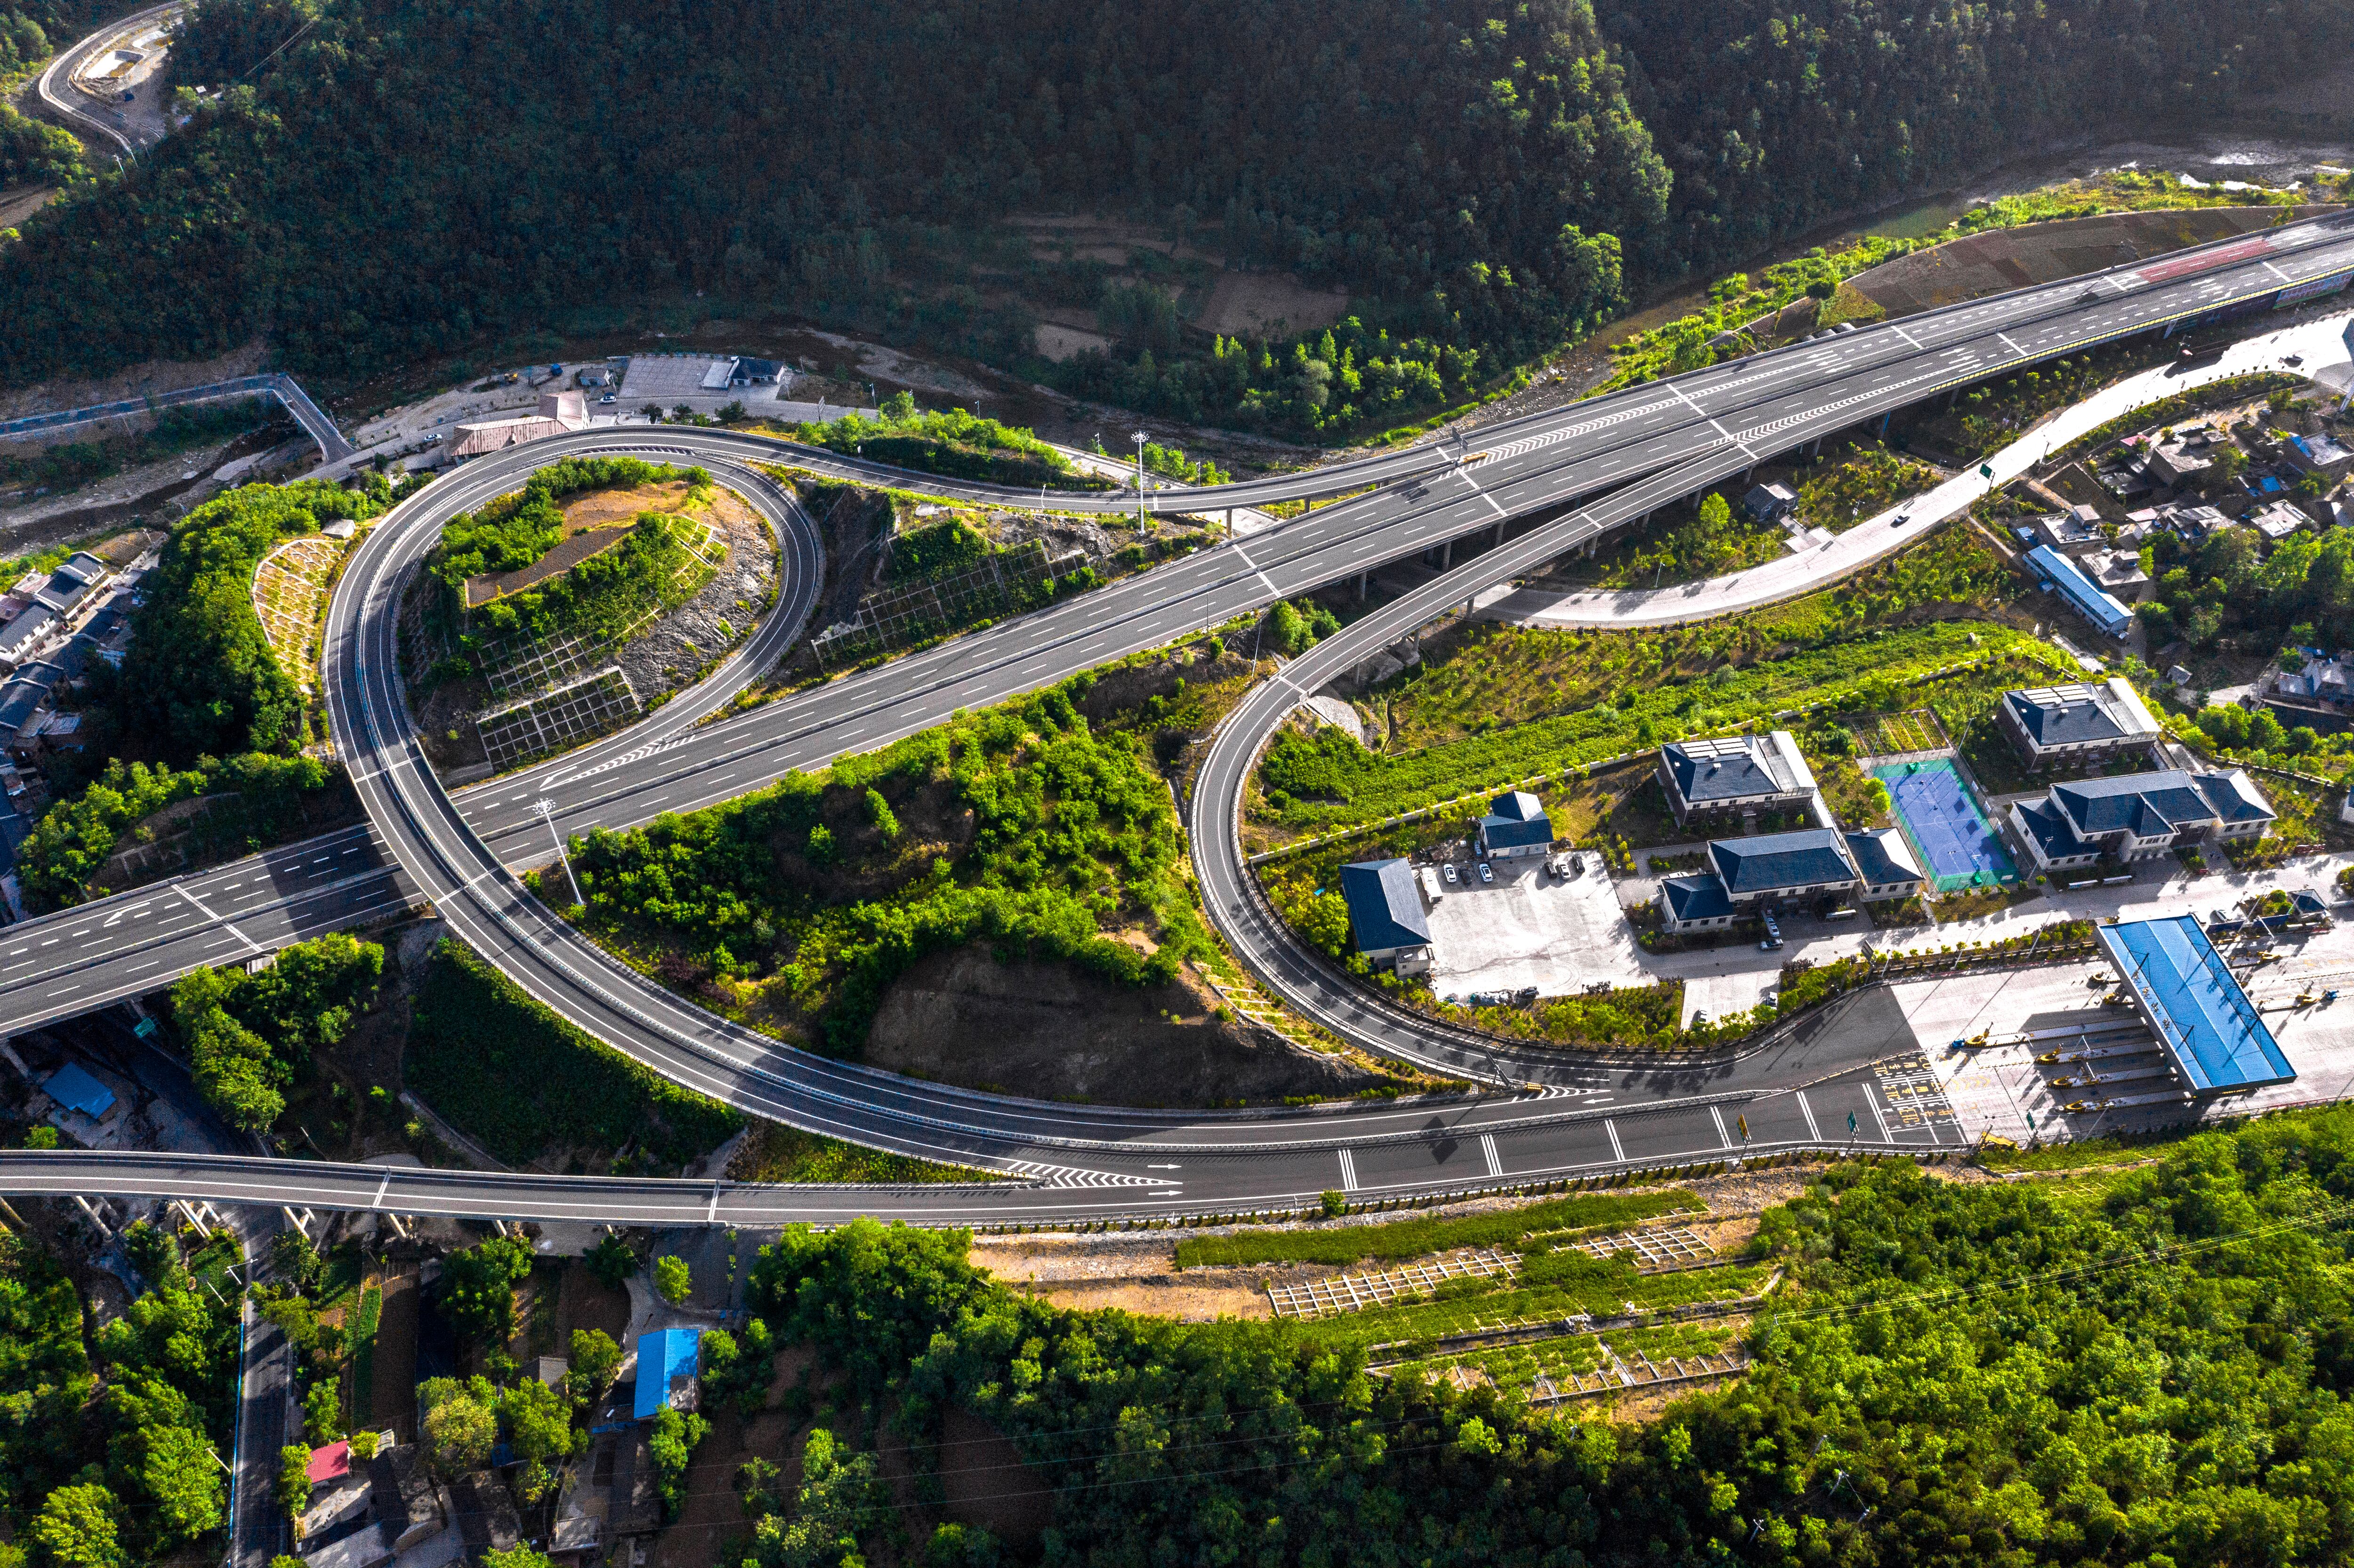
{"x": 666, "y": 1371}
{"x": 2085, "y": 596}
{"x": 76, "y": 1090}
{"x": 2182, "y": 988}
{"x": 1516, "y": 825}
{"x": 1385, "y": 911}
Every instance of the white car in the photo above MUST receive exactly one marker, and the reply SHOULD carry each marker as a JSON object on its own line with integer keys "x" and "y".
{"x": 1447, "y": 871}
{"x": 1486, "y": 875}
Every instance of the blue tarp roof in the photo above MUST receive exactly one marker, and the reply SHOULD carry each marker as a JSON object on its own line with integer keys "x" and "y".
{"x": 664, "y": 1356}
{"x": 77, "y": 1090}
{"x": 2214, "y": 1033}
{"x": 2103, "y": 609}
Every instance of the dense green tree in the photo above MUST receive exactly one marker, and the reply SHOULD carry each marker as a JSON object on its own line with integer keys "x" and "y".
{"x": 539, "y": 1427}
{"x": 459, "y": 1421}
{"x": 596, "y": 1362}
{"x": 672, "y": 1280}
{"x": 478, "y": 1288}
{"x": 249, "y": 1035}
{"x": 75, "y": 1529}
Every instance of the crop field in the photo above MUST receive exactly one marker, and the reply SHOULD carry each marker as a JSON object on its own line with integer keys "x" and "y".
{"x": 1888, "y": 734}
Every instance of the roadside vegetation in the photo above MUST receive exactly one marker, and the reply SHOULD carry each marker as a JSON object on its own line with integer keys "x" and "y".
{"x": 1535, "y": 1227}
{"x": 958, "y": 444}
{"x": 69, "y": 465}
{"x": 199, "y": 678}
{"x": 1906, "y": 1378}
{"x": 1742, "y": 304}
{"x": 530, "y": 1086}
{"x": 117, "y": 1433}
{"x": 798, "y": 905}
{"x": 250, "y": 1036}
{"x": 1493, "y": 704}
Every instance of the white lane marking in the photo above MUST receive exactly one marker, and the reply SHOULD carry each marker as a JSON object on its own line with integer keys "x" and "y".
{"x": 1724, "y": 1138}
{"x": 381, "y": 1188}
{"x": 1812, "y": 1131}
{"x": 209, "y": 915}
{"x": 1488, "y": 1148}
{"x": 1714, "y": 423}
{"x": 1885, "y": 1136}
{"x": 1348, "y": 1173}
{"x": 2278, "y": 274}
{"x": 1244, "y": 556}
{"x": 1907, "y": 337}
{"x": 2010, "y": 345}
{"x": 1481, "y": 494}
{"x": 1617, "y": 1150}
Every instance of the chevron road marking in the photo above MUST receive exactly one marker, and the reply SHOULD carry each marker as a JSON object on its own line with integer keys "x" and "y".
{"x": 1488, "y": 1148}
{"x": 1812, "y": 1131}
{"x": 1348, "y": 1173}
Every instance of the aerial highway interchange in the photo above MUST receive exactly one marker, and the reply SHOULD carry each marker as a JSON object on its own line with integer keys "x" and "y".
{"x": 1561, "y": 479}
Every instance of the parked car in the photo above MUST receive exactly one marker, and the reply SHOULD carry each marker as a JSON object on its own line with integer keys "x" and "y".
{"x": 1486, "y": 873}
{"x": 1447, "y": 871}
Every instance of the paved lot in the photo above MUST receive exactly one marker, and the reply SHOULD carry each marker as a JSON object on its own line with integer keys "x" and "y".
{"x": 2004, "y": 1091}
{"x": 1531, "y": 928}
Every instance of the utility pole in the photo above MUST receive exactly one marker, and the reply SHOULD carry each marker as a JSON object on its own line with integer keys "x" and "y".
{"x": 547, "y": 809}
{"x": 1139, "y": 438}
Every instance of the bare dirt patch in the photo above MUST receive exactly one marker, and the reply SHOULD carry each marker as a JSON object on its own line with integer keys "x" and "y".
{"x": 1259, "y": 303}
{"x": 962, "y": 1018}
{"x": 18, "y": 205}
{"x": 585, "y": 1301}
{"x": 392, "y": 1379}
{"x": 1062, "y": 343}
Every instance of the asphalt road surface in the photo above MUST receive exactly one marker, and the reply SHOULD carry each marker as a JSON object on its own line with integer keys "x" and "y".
{"x": 1672, "y": 437}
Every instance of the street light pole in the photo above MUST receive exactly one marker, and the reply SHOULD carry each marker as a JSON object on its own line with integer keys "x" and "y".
{"x": 546, "y": 809}
{"x": 1140, "y": 438}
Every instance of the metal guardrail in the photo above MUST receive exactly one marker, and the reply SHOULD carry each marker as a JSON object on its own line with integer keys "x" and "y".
{"x": 289, "y": 393}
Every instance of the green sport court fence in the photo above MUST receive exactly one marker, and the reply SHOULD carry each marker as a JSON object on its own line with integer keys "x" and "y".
{"x": 1941, "y": 821}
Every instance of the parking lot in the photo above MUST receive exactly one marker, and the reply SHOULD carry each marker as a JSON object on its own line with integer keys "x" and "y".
{"x": 1532, "y": 928}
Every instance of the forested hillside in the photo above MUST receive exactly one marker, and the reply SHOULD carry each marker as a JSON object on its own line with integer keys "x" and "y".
{"x": 391, "y": 178}
{"x": 2146, "y": 1368}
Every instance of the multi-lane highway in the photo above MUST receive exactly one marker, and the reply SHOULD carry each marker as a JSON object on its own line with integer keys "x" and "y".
{"x": 1638, "y": 449}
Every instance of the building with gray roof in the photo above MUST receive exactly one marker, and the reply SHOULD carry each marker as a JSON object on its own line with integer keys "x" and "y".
{"x": 1736, "y": 774}
{"x": 1515, "y": 825}
{"x": 2139, "y": 815}
{"x": 2077, "y": 724}
{"x": 1386, "y": 914}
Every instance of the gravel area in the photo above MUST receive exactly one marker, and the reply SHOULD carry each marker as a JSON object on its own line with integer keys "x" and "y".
{"x": 672, "y": 653}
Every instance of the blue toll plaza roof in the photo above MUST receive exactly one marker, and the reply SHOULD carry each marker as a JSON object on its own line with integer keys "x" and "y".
{"x": 77, "y": 1090}
{"x": 2103, "y": 609}
{"x": 665, "y": 1367}
{"x": 2214, "y": 1033}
